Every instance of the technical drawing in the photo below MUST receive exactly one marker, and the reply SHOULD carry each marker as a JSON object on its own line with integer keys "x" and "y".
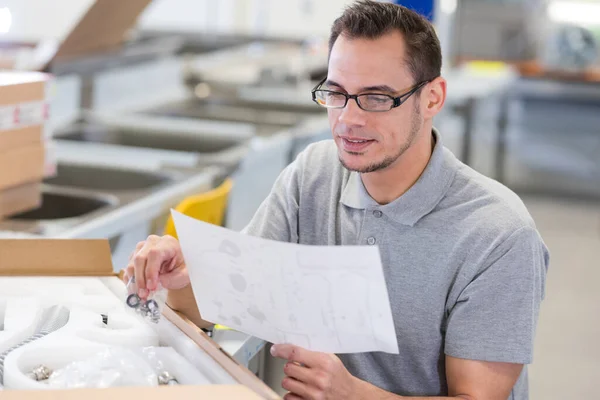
{"x": 322, "y": 298}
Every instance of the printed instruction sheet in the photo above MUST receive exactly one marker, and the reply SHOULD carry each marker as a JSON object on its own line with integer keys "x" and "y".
{"x": 323, "y": 298}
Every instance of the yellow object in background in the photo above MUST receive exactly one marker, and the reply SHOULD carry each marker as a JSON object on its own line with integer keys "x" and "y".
{"x": 481, "y": 67}
{"x": 208, "y": 207}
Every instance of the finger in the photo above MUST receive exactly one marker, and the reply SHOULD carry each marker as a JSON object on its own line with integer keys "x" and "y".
{"x": 296, "y": 387}
{"x": 292, "y": 396}
{"x": 297, "y": 354}
{"x": 167, "y": 267}
{"x": 155, "y": 258}
{"x": 126, "y": 276}
{"x": 139, "y": 266}
{"x": 300, "y": 373}
{"x": 129, "y": 268}
{"x": 138, "y": 247}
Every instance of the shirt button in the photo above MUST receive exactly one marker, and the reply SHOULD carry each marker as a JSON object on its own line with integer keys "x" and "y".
{"x": 377, "y": 214}
{"x": 371, "y": 240}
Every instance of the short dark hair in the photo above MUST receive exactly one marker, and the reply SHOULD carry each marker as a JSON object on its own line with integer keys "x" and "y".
{"x": 371, "y": 20}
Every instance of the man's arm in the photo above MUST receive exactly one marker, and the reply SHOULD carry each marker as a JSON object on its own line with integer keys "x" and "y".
{"x": 467, "y": 379}
{"x": 312, "y": 375}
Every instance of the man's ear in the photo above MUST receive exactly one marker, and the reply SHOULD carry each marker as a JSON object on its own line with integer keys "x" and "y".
{"x": 433, "y": 97}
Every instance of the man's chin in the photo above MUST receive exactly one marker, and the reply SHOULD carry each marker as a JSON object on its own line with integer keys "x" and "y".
{"x": 362, "y": 164}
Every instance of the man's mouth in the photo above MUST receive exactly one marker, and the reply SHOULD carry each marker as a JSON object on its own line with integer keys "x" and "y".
{"x": 354, "y": 144}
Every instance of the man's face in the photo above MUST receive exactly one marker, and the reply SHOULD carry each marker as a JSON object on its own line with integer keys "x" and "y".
{"x": 372, "y": 141}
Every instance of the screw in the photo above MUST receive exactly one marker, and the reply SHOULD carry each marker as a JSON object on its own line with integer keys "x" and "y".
{"x": 40, "y": 373}
{"x": 165, "y": 378}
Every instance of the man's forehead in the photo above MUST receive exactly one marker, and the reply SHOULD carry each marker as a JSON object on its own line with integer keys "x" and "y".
{"x": 359, "y": 63}
{"x": 391, "y": 44}
{"x": 381, "y": 55}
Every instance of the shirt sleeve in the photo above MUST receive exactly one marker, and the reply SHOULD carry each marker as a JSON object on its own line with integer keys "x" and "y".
{"x": 277, "y": 216}
{"x": 495, "y": 316}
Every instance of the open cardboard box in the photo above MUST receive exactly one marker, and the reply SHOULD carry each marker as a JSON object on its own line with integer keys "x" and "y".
{"x": 102, "y": 28}
{"x": 92, "y": 258}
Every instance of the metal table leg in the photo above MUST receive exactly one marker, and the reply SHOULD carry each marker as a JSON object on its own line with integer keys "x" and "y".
{"x": 502, "y": 140}
{"x": 468, "y": 113}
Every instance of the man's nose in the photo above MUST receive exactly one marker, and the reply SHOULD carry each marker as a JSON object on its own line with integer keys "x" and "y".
{"x": 352, "y": 114}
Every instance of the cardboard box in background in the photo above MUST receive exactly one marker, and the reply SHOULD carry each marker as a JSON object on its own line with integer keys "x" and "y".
{"x": 21, "y": 137}
{"x": 23, "y": 115}
{"x": 102, "y": 28}
{"x": 21, "y": 166}
{"x": 20, "y": 199}
{"x": 23, "y": 108}
{"x": 92, "y": 258}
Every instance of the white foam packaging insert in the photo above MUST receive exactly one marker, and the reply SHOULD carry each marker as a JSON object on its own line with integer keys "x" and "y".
{"x": 23, "y": 300}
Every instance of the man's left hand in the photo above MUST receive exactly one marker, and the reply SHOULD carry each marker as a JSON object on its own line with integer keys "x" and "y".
{"x": 314, "y": 376}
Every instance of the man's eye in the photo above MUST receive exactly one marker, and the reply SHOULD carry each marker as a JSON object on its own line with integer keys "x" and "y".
{"x": 377, "y": 99}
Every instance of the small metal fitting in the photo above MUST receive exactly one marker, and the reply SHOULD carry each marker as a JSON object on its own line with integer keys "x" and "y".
{"x": 40, "y": 373}
{"x": 165, "y": 378}
{"x": 133, "y": 300}
{"x": 152, "y": 305}
{"x": 153, "y": 311}
{"x": 143, "y": 309}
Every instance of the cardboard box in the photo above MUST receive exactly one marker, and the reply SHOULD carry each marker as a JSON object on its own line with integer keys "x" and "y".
{"x": 92, "y": 258}
{"x": 23, "y": 113}
{"x": 22, "y": 165}
{"x": 20, "y": 199}
{"x": 102, "y": 28}
{"x": 23, "y": 108}
{"x": 220, "y": 392}
{"x": 22, "y": 137}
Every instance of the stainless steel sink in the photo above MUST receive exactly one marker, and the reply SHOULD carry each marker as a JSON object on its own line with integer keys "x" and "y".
{"x": 269, "y": 118}
{"x": 80, "y": 193}
{"x": 132, "y": 138}
{"x": 105, "y": 178}
{"x": 193, "y": 42}
{"x": 61, "y": 210}
{"x": 56, "y": 205}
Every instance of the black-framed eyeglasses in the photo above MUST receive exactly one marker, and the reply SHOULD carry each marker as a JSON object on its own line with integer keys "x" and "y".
{"x": 374, "y": 102}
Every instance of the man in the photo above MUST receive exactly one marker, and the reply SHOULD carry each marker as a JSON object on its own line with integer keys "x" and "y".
{"x": 464, "y": 264}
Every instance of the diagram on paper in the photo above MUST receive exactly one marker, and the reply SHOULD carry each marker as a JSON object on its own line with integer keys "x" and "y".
{"x": 323, "y": 298}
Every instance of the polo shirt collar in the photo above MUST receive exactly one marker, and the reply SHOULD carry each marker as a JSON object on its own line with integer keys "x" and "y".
{"x": 420, "y": 199}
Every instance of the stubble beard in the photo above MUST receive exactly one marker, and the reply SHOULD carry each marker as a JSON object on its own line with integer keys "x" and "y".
{"x": 415, "y": 127}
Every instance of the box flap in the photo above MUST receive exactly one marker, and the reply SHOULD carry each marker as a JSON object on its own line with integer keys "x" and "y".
{"x": 239, "y": 372}
{"x": 224, "y": 392}
{"x": 103, "y": 27}
{"x": 55, "y": 257}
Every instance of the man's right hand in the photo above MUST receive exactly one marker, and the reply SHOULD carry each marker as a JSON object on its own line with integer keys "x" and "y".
{"x": 157, "y": 260}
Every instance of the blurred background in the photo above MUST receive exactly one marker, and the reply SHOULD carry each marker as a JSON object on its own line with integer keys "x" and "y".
{"x": 199, "y": 105}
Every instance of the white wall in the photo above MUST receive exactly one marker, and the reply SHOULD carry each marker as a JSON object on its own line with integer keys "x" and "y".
{"x": 36, "y": 19}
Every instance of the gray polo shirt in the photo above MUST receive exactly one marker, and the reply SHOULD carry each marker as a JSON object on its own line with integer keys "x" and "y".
{"x": 464, "y": 264}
